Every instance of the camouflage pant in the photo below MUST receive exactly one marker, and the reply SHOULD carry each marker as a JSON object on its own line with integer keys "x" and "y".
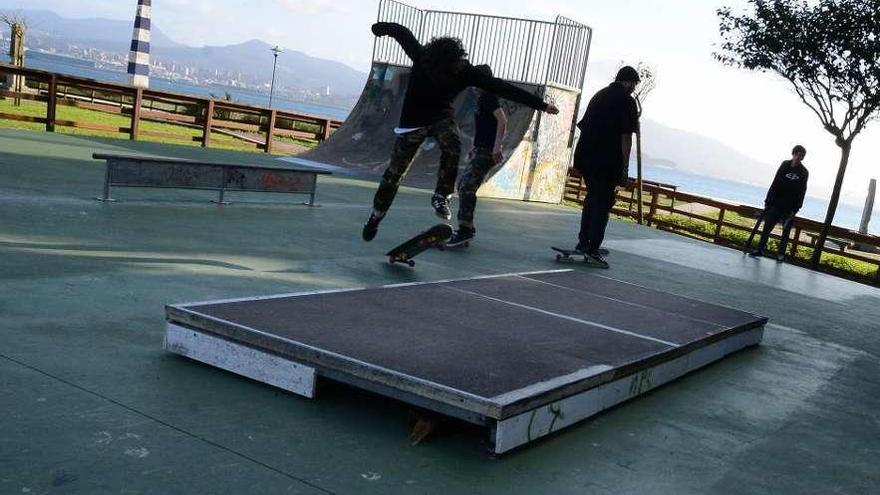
{"x": 407, "y": 145}
{"x": 470, "y": 181}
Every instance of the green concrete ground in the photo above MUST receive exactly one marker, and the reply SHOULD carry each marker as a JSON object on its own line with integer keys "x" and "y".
{"x": 90, "y": 403}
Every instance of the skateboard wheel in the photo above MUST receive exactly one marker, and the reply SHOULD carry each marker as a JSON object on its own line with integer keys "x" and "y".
{"x": 411, "y": 263}
{"x": 558, "y": 257}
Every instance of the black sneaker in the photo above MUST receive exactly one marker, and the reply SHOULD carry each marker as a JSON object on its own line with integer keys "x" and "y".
{"x": 461, "y": 237}
{"x": 371, "y": 228}
{"x": 756, "y": 253}
{"x": 595, "y": 260}
{"x": 441, "y": 206}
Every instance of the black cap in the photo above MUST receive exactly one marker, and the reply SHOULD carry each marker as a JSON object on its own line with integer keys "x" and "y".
{"x": 627, "y": 73}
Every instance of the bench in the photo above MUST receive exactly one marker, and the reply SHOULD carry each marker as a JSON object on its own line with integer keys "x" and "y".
{"x": 842, "y": 244}
{"x": 177, "y": 173}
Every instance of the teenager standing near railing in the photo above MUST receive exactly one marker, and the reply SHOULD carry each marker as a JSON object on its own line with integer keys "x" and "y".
{"x": 602, "y": 157}
{"x": 784, "y": 199}
{"x": 440, "y": 72}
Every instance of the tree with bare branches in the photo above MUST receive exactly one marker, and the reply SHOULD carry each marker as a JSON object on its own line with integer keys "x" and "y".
{"x": 829, "y": 52}
{"x": 17, "y": 29}
{"x": 647, "y": 83}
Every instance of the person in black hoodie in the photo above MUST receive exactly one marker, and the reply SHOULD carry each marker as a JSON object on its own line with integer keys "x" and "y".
{"x": 784, "y": 199}
{"x": 439, "y": 73}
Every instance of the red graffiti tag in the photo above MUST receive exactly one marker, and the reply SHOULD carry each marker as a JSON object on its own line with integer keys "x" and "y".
{"x": 279, "y": 181}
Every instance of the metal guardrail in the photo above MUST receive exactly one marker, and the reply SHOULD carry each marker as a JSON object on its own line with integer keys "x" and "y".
{"x": 518, "y": 50}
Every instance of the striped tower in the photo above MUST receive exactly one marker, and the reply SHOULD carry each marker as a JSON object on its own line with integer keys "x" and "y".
{"x": 139, "y": 58}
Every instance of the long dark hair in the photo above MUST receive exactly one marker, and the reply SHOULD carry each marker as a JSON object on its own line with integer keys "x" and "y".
{"x": 441, "y": 55}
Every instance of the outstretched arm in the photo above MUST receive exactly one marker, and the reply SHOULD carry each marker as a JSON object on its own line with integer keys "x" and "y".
{"x": 507, "y": 91}
{"x": 402, "y": 35}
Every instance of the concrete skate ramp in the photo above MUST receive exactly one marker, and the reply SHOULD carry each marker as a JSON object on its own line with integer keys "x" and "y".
{"x": 364, "y": 142}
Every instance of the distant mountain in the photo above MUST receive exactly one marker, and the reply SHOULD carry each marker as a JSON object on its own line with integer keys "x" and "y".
{"x": 254, "y": 57}
{"x": 295, "y": 68}
{"x": 101, "y": 33}
{"x": 666, "y": 146}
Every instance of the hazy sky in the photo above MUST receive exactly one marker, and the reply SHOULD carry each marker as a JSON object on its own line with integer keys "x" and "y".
{"x": 754, "y": 113}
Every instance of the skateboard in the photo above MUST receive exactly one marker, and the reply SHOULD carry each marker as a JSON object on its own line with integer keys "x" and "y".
{"x": 433, "y": 237}
{"x": 566, "y": 255}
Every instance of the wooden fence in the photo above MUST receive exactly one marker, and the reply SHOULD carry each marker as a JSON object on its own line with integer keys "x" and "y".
{"x": 846, "y": 253}
{"x": 258, "y": 126}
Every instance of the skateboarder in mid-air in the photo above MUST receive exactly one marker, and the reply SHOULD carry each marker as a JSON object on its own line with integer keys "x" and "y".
{"x": 440, "y": 72}
{"x": 490, "y": 124}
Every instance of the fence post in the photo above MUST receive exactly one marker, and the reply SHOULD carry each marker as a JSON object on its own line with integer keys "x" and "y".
{"x": 653, "y": 208}
{"x": 721, "y": 213}
{"x": 136, "y": 113}
{"x": 51, "y": 105}
{"x": 630, "y": 200}
{"x": 326, "y": 130}
{"x": 209, "y": 123}
{"x": 795, "y": 241}
{"x": 270, "y": 130}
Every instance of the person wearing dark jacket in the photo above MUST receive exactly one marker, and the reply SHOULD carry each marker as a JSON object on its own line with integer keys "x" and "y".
{"x": 439, "y": 73}
{"x": 490, "y": 125}
{"x": 784, "y": 199}
{"x": 602, "y": 157}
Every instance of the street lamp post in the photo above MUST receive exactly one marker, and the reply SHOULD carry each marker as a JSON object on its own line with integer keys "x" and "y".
{"x": 275, "y": 51}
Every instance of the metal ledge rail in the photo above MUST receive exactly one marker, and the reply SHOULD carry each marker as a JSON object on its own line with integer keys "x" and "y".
{"x": 144, "y": 171}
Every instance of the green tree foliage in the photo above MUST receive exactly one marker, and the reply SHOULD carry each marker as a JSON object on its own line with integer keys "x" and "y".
{"x": 828, "y": 50}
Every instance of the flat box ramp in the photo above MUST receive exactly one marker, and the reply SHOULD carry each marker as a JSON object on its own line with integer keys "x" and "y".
{"x": 524, "y": 354}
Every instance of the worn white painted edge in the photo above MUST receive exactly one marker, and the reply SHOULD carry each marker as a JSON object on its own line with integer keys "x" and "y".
{"x": 242, "y": 360}
{"x": 531, "y": 425}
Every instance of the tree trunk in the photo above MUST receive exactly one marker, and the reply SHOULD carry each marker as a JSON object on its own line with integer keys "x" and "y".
{"x": 832, "y": 206}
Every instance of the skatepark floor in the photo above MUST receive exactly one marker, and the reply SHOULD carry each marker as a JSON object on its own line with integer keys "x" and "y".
{"x": 91, "y": 403}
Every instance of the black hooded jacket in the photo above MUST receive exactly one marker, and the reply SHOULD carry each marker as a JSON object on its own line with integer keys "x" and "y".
{"x": 789, "y": 187}
{"x": 612, "y": 112}
{"x": 429, "y": 100}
